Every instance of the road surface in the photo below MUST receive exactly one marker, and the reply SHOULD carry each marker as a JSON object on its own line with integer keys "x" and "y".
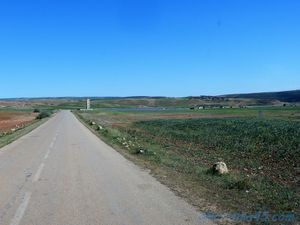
{"x": 62, "y": 174}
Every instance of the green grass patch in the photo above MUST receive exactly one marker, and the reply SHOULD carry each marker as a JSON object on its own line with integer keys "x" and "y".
{"x": 261, "y": 153}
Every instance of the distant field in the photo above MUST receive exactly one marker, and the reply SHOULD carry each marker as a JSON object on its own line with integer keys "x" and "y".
{"x": 11, "y": 120}
{"x": 260, "y": 145}
{"x": 231, "y": 100}
{"x": 144, "y": 102}
{"x": 166, "y": 102}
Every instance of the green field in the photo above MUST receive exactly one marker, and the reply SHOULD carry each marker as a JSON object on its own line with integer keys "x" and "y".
{"x": 261, "y": 147}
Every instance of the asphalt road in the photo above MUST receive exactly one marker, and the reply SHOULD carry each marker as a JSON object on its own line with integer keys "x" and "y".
{"x": 61, "y": 174}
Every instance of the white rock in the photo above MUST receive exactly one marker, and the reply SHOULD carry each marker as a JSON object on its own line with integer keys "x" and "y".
{"x": 220, "y": 168}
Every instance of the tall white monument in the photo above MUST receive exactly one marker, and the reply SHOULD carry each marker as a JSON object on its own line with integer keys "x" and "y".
{"x": 88, "y": 104}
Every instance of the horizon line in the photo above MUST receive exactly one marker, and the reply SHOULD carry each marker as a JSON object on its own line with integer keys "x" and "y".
{"x": 141, "y": 96}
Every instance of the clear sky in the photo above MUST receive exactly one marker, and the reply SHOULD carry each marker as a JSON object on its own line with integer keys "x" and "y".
{"x": 148, "y": 47}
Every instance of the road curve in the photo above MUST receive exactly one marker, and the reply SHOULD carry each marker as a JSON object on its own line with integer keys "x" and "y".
{"x": 62, "y": 174}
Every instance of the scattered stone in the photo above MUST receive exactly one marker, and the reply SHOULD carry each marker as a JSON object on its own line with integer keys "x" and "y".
{"x": 220, "y": 168}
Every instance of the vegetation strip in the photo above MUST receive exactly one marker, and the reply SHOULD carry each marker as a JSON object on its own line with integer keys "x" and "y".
{"x": 261, "y": 153}
{"x": 8, "y": 137}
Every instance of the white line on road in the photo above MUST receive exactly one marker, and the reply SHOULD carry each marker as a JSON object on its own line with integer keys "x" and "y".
{"x": 21, "y": 210}
{"x": 47, "y": 154}
{"x": 52, "y": 144}
{"x": 38, "y": 173}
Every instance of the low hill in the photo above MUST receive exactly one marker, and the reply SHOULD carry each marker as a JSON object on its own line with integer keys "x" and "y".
{"x": 283, "y": 96}
{"x": 231, "y": 100}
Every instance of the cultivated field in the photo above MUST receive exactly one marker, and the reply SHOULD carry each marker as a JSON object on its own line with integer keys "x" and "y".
{"x": 261, "y": 147}
{"x": 12, "y": 120}
{"x": 16, "y": 122}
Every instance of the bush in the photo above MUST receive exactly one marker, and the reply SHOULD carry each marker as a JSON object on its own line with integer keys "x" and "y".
{"x": 36, "y": 111}
{"x": 43, "y": 115}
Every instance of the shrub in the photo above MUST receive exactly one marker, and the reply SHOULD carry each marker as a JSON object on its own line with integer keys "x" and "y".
{"x": 43, "y": 115}
{"x": 36, "y": 111}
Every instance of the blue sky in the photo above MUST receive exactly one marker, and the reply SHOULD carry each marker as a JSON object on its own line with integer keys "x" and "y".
{"x": 148, "y": 47}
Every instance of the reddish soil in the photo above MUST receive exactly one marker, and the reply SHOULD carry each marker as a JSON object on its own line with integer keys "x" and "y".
{"x": 123, "y": 120}
{"x": 14, "y": 120}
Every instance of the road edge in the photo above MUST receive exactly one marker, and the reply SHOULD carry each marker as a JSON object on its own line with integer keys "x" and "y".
{"x": 163, "y": 175}
{"x": 10, "y": 138}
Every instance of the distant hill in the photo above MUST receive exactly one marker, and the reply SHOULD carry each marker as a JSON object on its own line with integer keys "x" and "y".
{"x": 283, "y": 96}
{"x": 231, "y": 100}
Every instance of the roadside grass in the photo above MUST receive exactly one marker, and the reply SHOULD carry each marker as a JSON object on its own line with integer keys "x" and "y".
{"x": 8, "y": 138}
{"x": 262, "y": 154}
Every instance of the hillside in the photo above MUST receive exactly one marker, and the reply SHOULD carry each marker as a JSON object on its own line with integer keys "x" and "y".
{"x": 283, "y": 96}
{"x": 232, "y": 100}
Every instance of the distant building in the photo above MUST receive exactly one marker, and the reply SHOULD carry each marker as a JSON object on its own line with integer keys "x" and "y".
{"x": 88, "y": 104}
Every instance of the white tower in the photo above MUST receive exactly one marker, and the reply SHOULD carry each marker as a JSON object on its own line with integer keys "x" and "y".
{"x": 88, "y": 104}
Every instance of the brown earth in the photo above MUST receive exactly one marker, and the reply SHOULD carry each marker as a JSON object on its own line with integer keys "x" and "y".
{"x": 14, "y": 120}
{"x": 120, "y": 120}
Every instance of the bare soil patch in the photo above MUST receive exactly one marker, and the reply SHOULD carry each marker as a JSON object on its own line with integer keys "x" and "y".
{"x": 14, "y": 120}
